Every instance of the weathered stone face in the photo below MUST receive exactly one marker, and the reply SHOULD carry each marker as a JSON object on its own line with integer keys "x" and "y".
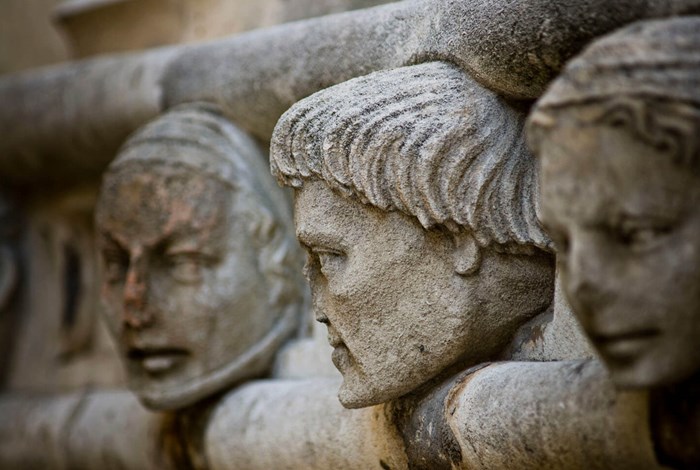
{"x": 625, "y": 218}
{"x": 398, "y": 313}
{"x": 182, "y": 289}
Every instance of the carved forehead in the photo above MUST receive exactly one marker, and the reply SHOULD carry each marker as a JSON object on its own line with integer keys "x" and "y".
{"x": 198, "y": 139}
{"x": 162, "y": 202}
{"x": 426, "y": 141}
{"x": 651, "y": 59}
{"x": 194, "y": 136}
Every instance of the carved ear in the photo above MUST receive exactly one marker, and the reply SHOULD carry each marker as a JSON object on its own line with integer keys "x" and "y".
{"x": 467, "y": 254}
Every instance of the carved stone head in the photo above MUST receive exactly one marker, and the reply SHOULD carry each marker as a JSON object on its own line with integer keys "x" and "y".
{"x": 618, "y": 139}
{"x": 414, "y": 199}
{"x": 200, "y": 284}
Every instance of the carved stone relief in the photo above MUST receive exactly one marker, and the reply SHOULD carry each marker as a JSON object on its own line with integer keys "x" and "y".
{"x": 430, "y": 236}
{"x": 617, "y": 136}
{"x": 200, "y": 284}
{"x": 415, "y": 200}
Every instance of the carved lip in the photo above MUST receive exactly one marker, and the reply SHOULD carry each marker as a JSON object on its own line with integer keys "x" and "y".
{"x": 158, "y": 360}
{"x": 334, "y": 338}
{"x": 341, "y": 357}
{"x": 625, "y": 345}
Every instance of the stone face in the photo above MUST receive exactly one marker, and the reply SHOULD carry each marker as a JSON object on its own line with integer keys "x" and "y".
{"x": 409, "y": 269}
{"x": 619, "y": 194}
{"x": 618, "y": 145}
{"x": 200, "y": 283}
{"x": 430, "y": 239}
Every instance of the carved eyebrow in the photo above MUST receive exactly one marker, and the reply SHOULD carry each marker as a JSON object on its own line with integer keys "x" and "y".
{"x": 181, "y": 244}
{"x": 108, "y": 238}
{"x": 651, "y": 218}
{"x": 319, "y": 239}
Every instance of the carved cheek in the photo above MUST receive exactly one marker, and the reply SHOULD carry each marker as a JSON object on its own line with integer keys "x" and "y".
{"x": 111, "y": 294}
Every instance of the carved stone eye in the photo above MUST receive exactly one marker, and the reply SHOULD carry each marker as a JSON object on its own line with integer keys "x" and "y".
{"x": 641, "y": 237}
{"x": 310, "y": 266}
{"x": 330, "y": 261}
{"x": 187, "y": 268}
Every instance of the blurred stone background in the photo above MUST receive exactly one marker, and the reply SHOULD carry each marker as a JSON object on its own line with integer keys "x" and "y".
{"x": 40, "y": 32}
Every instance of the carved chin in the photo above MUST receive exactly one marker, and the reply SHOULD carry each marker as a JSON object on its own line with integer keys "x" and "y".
{"x": 358, "y": 392}
{"x": 351, "y": 399}
{"x": 253, "y": 363}
{"x": 168, "y": 397}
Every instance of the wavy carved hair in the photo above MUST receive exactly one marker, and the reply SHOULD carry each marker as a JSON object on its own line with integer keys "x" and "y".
{"x": 425, "y": 140}
{"x": 644, "y": 78}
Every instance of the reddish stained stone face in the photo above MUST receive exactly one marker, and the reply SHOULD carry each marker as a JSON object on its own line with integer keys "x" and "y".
{"x": 182, "y": 291}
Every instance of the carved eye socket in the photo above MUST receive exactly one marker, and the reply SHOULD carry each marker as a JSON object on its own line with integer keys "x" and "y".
{"x": 116, "y": 266}
{"x": 330, "y": 261}
{"x": 187, "y": 268}
{"x": 640, "y": 236}
{"x": 322, "y": 261}
{"x": 310, "y": 266}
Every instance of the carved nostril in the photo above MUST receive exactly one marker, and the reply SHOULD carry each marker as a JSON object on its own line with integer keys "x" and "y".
{"x": 136, "y": 317}
{"x": 136, "y": 314}
{"x": 134, "y": 294}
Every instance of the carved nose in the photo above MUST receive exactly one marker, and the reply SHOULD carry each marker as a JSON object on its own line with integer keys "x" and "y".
{"x": 136, "y": 312}
{"x": 586, "y": 277}
{"x": 322, "y": 318}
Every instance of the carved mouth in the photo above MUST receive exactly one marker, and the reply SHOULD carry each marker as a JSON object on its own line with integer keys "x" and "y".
{"x": 157, "y": 361}
{"x": 625, "y": 345}
{"x": 341, "y": 358}
{"x": 334, "y": 338}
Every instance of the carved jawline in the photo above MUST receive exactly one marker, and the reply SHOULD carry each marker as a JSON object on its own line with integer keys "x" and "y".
{"x": 248, "y": 365}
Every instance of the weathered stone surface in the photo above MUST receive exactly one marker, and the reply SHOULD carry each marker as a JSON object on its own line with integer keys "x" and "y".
{"x": 551, "y": 338}
{"x": 528, "y": 415}
{"x": 617, "y": 135}
{"x": 80, "y": 115}
{"x": 417, "y": 202}
{"x": 99, "y": 26}
{"x": 550, "y": 415}
{"x": 517, "y": 47}
{"x": 68, "y": 121}
{"x": 201, "y": 283}
{"x": 309, "y": 355}
{"x": 299, "y": 424}
{"x": 58, "y": 344}
{"x": 82, "y": 430}
{"x": 32, "y": 428}
{"x": 414, "y": 200}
